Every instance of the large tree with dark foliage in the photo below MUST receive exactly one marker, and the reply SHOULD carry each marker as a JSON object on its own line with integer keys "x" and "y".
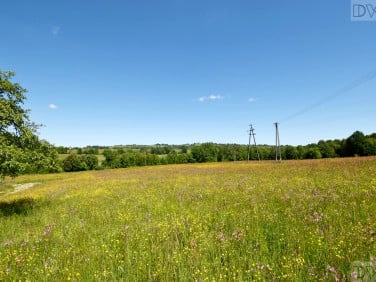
{"x": 355, "y": 145}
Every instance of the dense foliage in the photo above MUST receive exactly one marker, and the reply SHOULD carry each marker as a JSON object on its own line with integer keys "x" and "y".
{"x": 76, "y": 162}
{"x": 21, "y": 151}
{"x": 357, "y": 144}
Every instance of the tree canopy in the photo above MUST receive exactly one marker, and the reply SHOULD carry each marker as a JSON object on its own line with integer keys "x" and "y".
{"x": 21, "y": 151}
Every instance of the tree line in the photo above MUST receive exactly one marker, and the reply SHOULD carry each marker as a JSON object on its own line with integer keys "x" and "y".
{"x": 357, "y": 144}
{"x": 21, "y": 150}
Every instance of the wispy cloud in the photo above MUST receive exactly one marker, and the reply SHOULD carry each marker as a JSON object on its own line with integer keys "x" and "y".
{"x": 55, "y": 30}
{"x": 210, "y": 98}
{"x": 52, "y": 106}
{"x": 252, "y": 100}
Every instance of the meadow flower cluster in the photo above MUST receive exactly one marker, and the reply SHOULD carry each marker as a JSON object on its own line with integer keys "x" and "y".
{"x": 264, "y": 221}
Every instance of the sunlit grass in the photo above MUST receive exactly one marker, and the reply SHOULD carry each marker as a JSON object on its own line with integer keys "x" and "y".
{"x": 289, "y": 221}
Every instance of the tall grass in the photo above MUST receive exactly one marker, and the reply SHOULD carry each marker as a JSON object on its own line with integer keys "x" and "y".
{"x": 289, "y": 221}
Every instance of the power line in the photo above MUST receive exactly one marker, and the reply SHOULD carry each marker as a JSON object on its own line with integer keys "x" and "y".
{"x": 354, "y": 84}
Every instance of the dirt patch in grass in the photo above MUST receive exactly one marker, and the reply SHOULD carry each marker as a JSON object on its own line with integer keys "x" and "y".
{"x": 24, "y": 186}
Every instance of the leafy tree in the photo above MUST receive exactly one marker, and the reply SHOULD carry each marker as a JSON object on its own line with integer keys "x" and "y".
{"x": 224, "y": 153}
{"x": 266, "y": 152}
{"x": 184, "y": 149}
{"x": 133, "y": 158}
{"x": 120, "y": 151}
{"x": 370, "y": 146}
{"x": 185, "y": 158}
{"x": 327, "y": 149}
{"x": 62, "y": 150}
{"x": 90, "y": 151}
{"x": 172, "y": 157}
{"x": 43, "y": 159}
{"x": 206, "y": 152}
{"x": 160, "y": 150}
{"x": 74, "y": 162}
{"x": 338, "y": 147}
{"x": 355, "y": 145}
{"x": 91, "y": 161}
{"x": 290, "y": 153}
{"x": 372, "y": 136}
{"x": 21, "y": 150}
{"x": 152, "y": 159}
{"x": 313, "y": 152}
{"x": 111, "y": 159}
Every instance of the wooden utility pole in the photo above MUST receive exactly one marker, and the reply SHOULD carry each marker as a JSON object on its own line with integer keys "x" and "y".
{"x": 278, "y": 155}
{"x": 249, "y": 146}
{"x": 252, "y": 134}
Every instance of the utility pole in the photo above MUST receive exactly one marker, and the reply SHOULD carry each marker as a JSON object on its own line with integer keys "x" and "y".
{"x": 252, "y": 134}
{"x": 249, "y": 145}
{"x": 278, "y": 155}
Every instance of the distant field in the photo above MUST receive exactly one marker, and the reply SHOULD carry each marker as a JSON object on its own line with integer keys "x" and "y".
{"x": 258, "y": 221}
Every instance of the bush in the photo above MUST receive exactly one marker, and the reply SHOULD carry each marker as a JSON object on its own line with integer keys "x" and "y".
{"x": 74, "y": 163}
{"x": 91, "y": 161}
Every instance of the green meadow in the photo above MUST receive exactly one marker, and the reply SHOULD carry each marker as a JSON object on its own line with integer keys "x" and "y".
{"x": 257, "y": 221}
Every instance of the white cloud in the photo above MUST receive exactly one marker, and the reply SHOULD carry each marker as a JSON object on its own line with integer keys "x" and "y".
{"x": 55, "y": 30}
{"x": 211, "y": 97}
{"x": 252, "y": 100}
{"x": 215, "y": 97}
{"x": 52, "y": 106}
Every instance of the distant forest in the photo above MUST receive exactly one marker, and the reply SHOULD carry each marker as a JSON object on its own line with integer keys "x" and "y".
{"x": 101, "y": 157}
{"x": 22, "y": 152}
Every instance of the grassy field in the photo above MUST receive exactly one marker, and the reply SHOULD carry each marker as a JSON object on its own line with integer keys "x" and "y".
{"x": 267, "y": 221}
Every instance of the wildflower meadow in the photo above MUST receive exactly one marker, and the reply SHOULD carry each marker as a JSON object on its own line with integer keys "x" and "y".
{"x": 257, "y": 221}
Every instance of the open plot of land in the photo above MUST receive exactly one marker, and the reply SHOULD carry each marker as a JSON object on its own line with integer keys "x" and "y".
{"x": 266, "y": 221}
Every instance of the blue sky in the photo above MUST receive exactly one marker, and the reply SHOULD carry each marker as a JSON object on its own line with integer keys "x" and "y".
{"x": 185, "y": 71}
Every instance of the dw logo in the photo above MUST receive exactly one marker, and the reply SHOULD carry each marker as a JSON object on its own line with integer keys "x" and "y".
{"x": 363, "y": 271}
{"x": 363, "y": 10}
